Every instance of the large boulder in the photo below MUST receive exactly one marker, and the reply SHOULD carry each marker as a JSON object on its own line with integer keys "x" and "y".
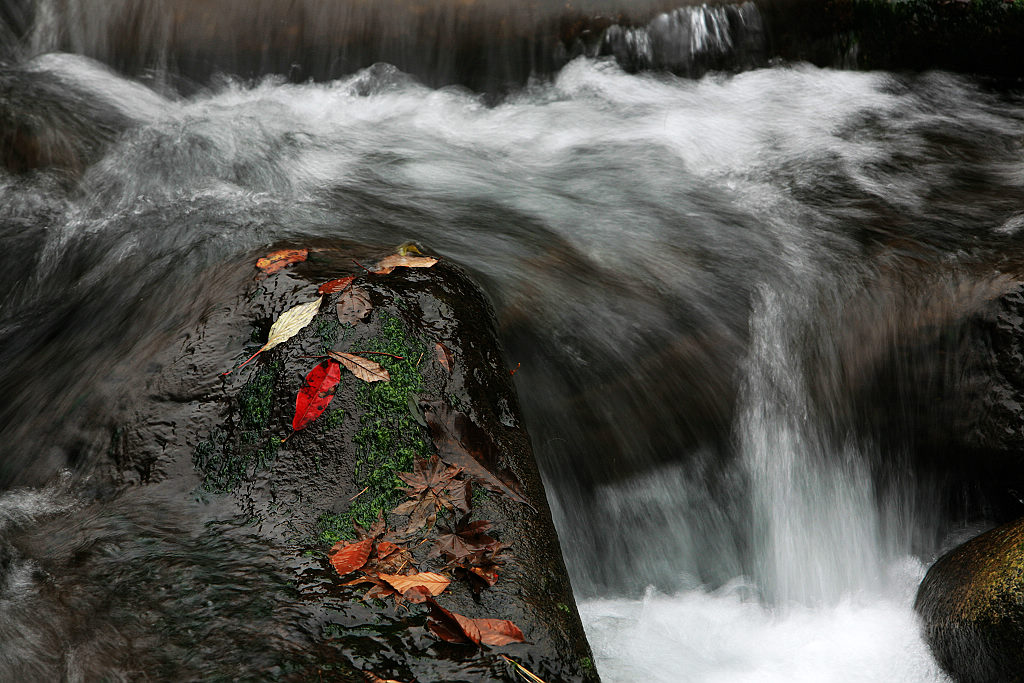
{"x": 971, "y": 603}
{"x": 200, "y": 547}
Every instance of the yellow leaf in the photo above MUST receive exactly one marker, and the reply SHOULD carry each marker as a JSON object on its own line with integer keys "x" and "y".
{"x": 290, "y": 322}
{"x": 287, "y": 326}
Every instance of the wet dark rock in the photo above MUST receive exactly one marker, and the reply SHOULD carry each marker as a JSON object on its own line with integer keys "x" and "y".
{"x": 972, "y": 605}
{"x": 198, "y": 547}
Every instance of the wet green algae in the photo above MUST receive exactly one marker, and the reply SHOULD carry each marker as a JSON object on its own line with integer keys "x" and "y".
{"x": 389, "y": 439}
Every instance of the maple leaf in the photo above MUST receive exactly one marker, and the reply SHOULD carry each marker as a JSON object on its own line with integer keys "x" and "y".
{"x": 399, "y": 260}
{"x": 432, "y": 486}
{"x": 354, "y": 305}
{"x": 287, "y": 325}
{"x": 332, "y": 286}
{"x": 466, "y": 538}
{"x": 316, "y": 394}
{"x": 459, "y": 441}
{"x": 276, "y": 260}
{"x": 363, "y": 368}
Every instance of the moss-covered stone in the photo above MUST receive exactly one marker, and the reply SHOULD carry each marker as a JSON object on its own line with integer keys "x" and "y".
{"x": 972, "y": 605}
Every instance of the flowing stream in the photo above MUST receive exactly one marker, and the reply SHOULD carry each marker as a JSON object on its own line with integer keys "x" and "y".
{"x": 702, "y": 281}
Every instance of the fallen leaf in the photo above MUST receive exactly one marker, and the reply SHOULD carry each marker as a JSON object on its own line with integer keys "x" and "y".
{"x": 404, "y": 260}
{"x": 444, "y": 356}
{"x": 288, "y": 325}
{"x": 459, "y": 441}
{"x": 432, "y": 486}
{"x": 363, "y": 368}
{"x": 498, "y": 632}
{"x": 276, "y": 260}
{"x": 316, "y": 394}
{"x": 465, "y": 539}
{"x": 456, "y": 628}
{"x": 374, "y": 678}
{"x": 348, "y": 557}
{"x": 332, "y": 286}
{"x": 354, "y": 305}
{"x": 434, "y": 583}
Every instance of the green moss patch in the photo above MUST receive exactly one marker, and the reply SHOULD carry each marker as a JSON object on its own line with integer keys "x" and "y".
{"x": 227, "y": 457}
{"x": 389, "y": 439}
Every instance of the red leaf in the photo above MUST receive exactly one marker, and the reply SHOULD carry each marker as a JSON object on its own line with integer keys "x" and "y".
{"x": 316, "y": 394}
{"x": 333, "y": 286}
{"x": 276, "y": 260}
{"x": 348, "y": 557}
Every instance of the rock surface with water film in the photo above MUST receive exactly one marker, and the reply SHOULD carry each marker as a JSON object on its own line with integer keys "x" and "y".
{"x": 972, "y": 605}
{"x": 202, "y": 503}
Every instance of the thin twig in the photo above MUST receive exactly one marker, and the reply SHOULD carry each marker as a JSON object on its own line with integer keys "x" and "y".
{"x": 513, "y": 370}
{"x": 362, "y": 266}
{"x": 523, "y": 671}
{"x": 418, "y": 360}
{"x": 358, "y": 494}
{"x": 287, "y": 437}
{"x": 382, "y": 353}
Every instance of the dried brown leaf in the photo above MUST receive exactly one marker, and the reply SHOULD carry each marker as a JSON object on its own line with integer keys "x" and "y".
{"x": 363, "y": 368}
{"x": 403, "y": 260}
{"x": 434, "y": 583}
{"x": 354, "y": 305}
{"x": 444, "y": 356}
{"x": 459, "y": 441}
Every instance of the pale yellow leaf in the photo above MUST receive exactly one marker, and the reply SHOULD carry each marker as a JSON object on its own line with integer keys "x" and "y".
{"x": 435, "y": 583}
{"x": 290, "y": 322}
{"x": 363, "y": 368}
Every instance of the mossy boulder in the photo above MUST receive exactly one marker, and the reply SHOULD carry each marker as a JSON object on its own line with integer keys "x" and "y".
{"x": 308, "y": 489}
{"x": 971, "y": 603}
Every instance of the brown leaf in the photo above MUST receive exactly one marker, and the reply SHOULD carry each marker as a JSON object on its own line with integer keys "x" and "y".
{"x": 459, "y": 441}
{"x": 374, "y": 678}
{"x": 434, "y": 583}
{"x": 403, "y": 260}
{"x": 363, "y": 368}
{"x": 460, "y": 543}
{"x": 432, "y": 486}
{"x": 276, "y": 260}
{"x": 332, "y": 286}
{"x": 444, "y": 356}
{"x": 348, "y": 557}
{"x": 498, "y": 632}
{"x": 456, "y": 628}
{"x": 354, "y": 305}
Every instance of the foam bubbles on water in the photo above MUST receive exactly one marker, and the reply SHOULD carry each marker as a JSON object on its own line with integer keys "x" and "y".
{"x": 726, "y": 636}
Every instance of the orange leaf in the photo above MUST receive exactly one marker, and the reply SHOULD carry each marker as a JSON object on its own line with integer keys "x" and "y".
{"x": 363, "y": 368}
{"x": 333, "y": 286}
{"x": 399, "y": 260}
{"x": 498, "y": 632}
{"x": 434, "y": 583}
{"x": 348, "y": 557}
{"x": 276, "y": 260}
{"x": 374, "y": 678}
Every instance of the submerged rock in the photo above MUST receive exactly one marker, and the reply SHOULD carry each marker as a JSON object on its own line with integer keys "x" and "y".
{"x": 972, "y": 605}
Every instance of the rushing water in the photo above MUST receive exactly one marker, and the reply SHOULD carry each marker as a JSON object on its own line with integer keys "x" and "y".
{"x": 701, "y": 279}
